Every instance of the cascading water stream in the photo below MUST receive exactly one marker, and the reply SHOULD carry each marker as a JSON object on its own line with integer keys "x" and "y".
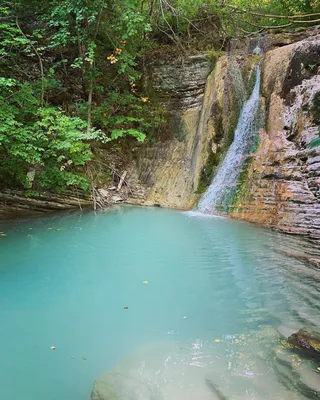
{"x": 223, "y": 188}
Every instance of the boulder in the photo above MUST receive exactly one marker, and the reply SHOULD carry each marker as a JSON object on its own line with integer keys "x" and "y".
{"x": 240, "y": 366}
{"x": 308, "y": 339}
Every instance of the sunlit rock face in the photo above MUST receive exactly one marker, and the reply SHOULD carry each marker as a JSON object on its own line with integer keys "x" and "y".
{"x": 198, "y": 97}
{"x": 162, "y": 168}
{"x": 280, "y": 185}
{"x": 281, "y": 188}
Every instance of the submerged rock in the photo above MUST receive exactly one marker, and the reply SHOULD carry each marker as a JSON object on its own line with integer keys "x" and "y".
{"x": 296, "y": 374}
{"x": 116, "y": 386}
{"x": 307, "y": 338}
{"x": 159, "y": 371}
{"x": 241, "y": 366}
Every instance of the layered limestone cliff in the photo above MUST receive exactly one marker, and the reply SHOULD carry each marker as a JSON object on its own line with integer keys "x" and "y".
{"x": 281, "y": 187}
{"x": 202, "y": 112}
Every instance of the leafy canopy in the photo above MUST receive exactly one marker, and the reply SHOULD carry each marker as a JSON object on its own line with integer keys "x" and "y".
{"x": 71, "y": 73}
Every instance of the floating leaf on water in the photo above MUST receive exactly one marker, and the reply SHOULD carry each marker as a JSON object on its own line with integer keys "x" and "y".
{"x": 49, "y": 229}
{"x": 52, "y": 347}
{"x": 3, "y": 234}
{"x": 217, "y": 340}
{"x": 145, "y": 282}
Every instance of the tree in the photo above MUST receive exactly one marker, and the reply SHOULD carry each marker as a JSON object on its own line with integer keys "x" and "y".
{"x": 47, "y": 116}
{"x": 70, "y": 76}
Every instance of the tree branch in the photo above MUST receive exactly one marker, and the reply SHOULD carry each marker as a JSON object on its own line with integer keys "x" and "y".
{"x": 290, "y": 17}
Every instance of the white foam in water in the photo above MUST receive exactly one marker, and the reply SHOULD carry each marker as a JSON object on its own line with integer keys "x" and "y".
{"x": 199, "y": 214}
{"x": 225, "y": 181}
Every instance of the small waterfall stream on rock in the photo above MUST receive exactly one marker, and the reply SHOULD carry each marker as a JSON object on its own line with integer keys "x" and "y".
{"x": 223, "y": 188}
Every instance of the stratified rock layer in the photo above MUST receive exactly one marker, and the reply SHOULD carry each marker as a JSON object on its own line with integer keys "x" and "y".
{"x": 201, "y": 108}
{"x": 13, "y": 202}
{"x": 281, "y": 188}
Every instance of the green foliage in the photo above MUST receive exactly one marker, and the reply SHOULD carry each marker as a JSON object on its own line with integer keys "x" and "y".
{"x": 71, "y": 74}
{"x": 132, "y": 121}
{"x": 315, "y": 142}
{"x": 209, "y": 169}
{"x": 68, "y": 47}
{"x": 10, "y": 36}
{"x": 227, "y": 18}
{"x": 43, "y": 140}
{"x": 214, "y": 55}
{"x": 257, "y": 20}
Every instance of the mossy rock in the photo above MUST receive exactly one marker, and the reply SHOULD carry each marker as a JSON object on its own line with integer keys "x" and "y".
{"x": 250, "y": 71}
{"x": 307, "y": 339}
{"x": 214, "y": 55}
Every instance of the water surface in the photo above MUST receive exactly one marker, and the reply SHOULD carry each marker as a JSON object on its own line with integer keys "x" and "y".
{"x": 211, "y": 294}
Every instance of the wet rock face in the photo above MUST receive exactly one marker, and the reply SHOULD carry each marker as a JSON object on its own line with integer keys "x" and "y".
{"x": 198, "y": 100}
{"x": 304, "y": 64}
{"x": 282, "y": 185}
{"x": 165, "y": 169}
{"x": 307, "y": 339}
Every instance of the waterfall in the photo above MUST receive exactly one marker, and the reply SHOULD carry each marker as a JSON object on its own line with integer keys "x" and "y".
{"x": 223, "y": 188}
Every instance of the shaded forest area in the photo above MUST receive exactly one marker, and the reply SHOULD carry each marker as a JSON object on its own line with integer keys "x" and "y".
{"x": 71, "y": 74}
